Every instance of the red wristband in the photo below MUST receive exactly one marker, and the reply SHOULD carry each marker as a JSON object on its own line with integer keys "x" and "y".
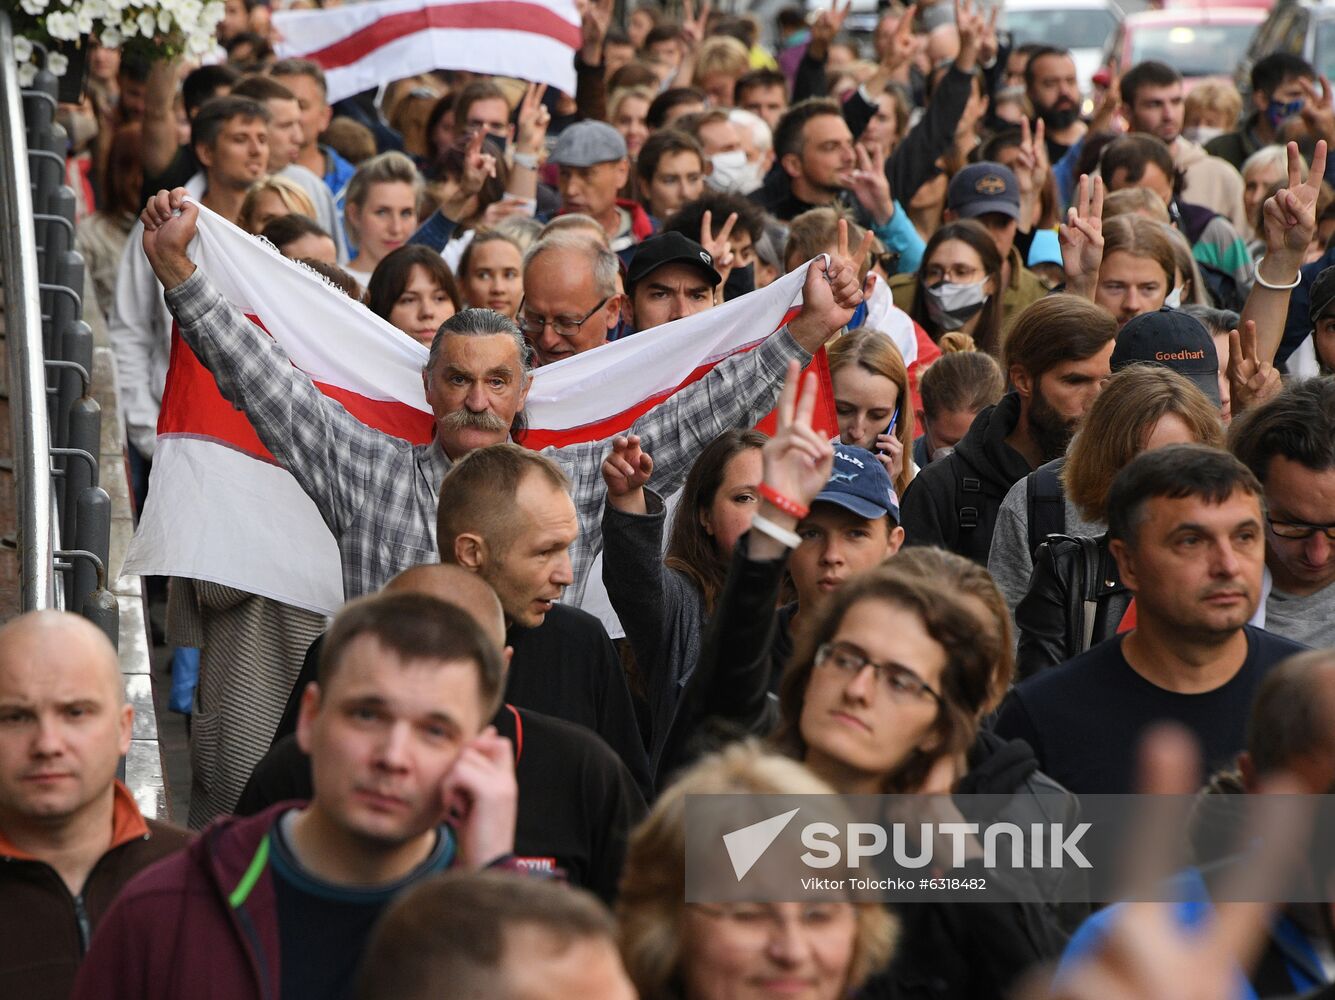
{"x": 790, "y": 507}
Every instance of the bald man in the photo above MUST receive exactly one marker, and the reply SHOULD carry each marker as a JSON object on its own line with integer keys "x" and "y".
{"x": 70, "y": 833}
{"x": 577, "y": 800}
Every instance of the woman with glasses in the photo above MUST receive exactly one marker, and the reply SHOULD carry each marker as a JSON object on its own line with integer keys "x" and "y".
{"x": 883, "y": 694}
{"x": 676, "y": 950}
{"x": 958, "y": 286}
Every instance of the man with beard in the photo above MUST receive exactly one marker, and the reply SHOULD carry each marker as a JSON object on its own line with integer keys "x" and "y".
{"x": 1186, "y": 527}
{"x": 1050, "y": 84}
{"x": 1056, "y": 358}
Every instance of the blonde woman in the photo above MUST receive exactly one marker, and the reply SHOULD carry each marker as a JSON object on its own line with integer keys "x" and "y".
{"x": 872, "y": 401}
{"x": 270, "y": 198}
{"x": 676, "y": 950}
{"x": 380, "y": 212}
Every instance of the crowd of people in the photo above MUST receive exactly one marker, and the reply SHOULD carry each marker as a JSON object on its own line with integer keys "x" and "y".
{"x": 1079, "y": 358}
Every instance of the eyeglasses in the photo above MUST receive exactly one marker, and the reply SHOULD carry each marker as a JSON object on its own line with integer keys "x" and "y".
{"x": 1300, "y": 529}
{"x": 901, "y": 682}
{"x": 532, "y": 326}
{"x": 961, "y": 274}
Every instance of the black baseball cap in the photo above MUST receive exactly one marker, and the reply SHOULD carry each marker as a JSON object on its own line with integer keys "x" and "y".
{"x": 1323, "y": 294}
{"x": 1175, "y": 340}
{"x": 984, "y": 188}
{"x": 670, "y": 248}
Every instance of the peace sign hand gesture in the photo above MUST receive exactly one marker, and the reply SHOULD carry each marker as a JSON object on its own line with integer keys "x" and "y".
{"x": 718, "y": 247}
{"x": 1081, "y": 238}
{"x": 826, "y": 27}
{"x": 832, "y": 292}
{"x": 903, "y": 44}
{"x": 869, "y": 184}
{"x": 971, "y": 26}
{"x": 478, "y": 166}
{"x": 532, "y": 120}
{"x": 1290, "y": 215}
{"x": 693, "y": 28}
{"x": 1252, "y": 380}
{"x": 797, "y": 460}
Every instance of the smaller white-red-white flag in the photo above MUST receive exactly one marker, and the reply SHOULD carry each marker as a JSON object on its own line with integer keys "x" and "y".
{"x": 360, "y": 46}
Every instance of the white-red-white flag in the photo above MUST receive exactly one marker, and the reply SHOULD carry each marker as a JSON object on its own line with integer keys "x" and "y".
{"x": 363, "y": 45}
{"x": 221, "y": 509}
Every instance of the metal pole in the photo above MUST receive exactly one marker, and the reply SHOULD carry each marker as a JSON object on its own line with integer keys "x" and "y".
{"x": 23, "y": 340}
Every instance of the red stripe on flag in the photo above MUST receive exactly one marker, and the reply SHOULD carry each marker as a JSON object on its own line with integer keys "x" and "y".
{"x": 192, "y": 405}
{"x": 527, "y": 17}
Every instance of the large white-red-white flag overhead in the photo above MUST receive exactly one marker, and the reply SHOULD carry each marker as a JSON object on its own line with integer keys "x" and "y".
{"x": 363, "y": 45}
{"x": 221, "y": 509}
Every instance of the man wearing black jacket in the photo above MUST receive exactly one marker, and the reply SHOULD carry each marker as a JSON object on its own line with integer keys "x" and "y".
{"x": 577, "y": 800}
{"x": 1056, "y": 358}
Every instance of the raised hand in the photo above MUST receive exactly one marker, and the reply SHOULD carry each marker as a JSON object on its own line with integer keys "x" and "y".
{"x": 1252, "y": 379}
{"x": 797, "y": 460}
{"x": 693, "y": 27}
{"x": 971, "y": 26}
{"x": 988, "y": 46}
{"x": 719, "y": 247}
{"x": 869, "y": 183}
{"x": 1290, "y": 215}
{"x": 1081, "y": 237}
{"x": 478, "y": 166}
{"x": 594, "y": 22}
{"x": 532, "y": 120}
{"x": 831, "y": 293}
{"x": 480, "y": 799}
{"x": 167, "y": 235}
{"x": 625, "y": 471}
{"x": 826, "y": 28}
{"x": 1105, "y": 112}
{"x": 904, "y": 44}
{"x": 1317, "y": 112}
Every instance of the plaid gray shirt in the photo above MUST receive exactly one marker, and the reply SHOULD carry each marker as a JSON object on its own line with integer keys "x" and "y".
{"x": 377, "y": 493}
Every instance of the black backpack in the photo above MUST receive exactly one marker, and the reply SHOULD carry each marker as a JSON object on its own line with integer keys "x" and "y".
{"x": 1045, "y": 504}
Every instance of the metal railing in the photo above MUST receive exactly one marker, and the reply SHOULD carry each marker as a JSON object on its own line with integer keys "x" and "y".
{"x": 64, "y": 516}
{"x": 23, "y": 336}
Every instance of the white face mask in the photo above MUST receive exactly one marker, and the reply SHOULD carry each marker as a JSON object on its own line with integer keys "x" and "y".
{"x": 733, "y": 173}
{"x": 1173, "y": 300}
{"x": 951, "y": 305}
{"x": 1201, "y": 134}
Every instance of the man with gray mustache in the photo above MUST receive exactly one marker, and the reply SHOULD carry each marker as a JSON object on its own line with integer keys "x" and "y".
{"x": 378, "y": 493}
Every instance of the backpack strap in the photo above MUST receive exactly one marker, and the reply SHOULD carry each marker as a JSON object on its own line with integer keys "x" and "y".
{"x": 1091, "y": 582}
{"x": 1045, "y": 504}
{"x": 970, "y": 513}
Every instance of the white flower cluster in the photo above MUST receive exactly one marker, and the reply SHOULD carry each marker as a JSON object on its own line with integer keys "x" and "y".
{"x": 184, "y": 27}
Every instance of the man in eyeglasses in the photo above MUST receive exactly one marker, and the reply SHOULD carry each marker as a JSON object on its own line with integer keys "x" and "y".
{"x": 571, "y": 302}
{"x": 1289, "y": 444}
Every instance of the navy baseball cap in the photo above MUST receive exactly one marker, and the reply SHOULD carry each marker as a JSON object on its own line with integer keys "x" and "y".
{"x": 860, "y": 483}
{"x": 1175, "y": 340}
{"x": 984, "y": 188}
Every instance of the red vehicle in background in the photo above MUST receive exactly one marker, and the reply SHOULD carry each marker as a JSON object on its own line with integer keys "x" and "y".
{"x": 1202, "y": 40}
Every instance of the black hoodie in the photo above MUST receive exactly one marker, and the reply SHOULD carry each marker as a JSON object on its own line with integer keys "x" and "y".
{"x": 953, "y": 503}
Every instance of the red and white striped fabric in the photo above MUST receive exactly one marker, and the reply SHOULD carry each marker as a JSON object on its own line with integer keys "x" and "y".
{"x": 221, "y": 509}
{"x": 362, "y": 45}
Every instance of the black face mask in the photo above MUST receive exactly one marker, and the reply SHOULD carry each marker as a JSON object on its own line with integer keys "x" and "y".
{"x": 740, "y": 281}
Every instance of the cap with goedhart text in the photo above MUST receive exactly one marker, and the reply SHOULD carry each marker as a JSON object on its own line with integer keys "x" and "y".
{"x": 670, "y": 248}
{"x": 983, "y": 189}
{"x": 588, "y": 142}
{"x": 1172, "y": 339}
{"x": 860, "y": 483}
{"x": 1323, "y": 294}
